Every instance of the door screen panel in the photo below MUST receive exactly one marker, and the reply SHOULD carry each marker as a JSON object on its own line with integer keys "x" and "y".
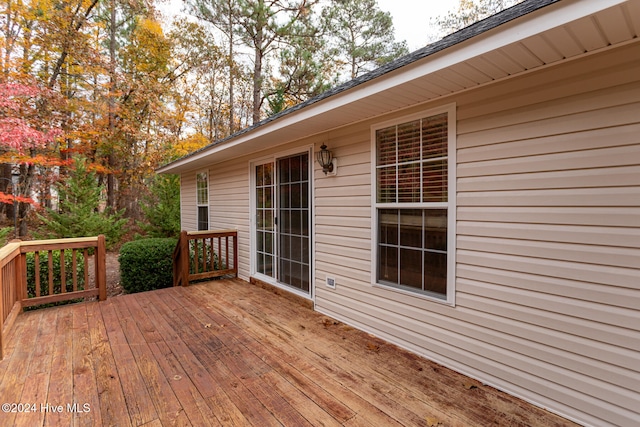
{"x": 265, "y": 219}
{"x": 293, "y": 215}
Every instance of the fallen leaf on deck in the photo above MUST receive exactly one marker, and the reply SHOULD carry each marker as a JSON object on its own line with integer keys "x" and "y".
{"x": 470, "y": 386}
{"x": 432, "y": 421}
{"x": 208, "y": 325}
{"x": 373, "y": 347}
{"x": 177, "y": 377}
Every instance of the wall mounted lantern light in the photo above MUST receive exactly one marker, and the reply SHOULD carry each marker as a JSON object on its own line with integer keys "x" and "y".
{"x": 326, "y": 160}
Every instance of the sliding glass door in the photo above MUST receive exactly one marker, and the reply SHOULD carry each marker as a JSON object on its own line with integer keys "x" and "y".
{"x": 293, "y": 221}
{"x": 282, "y": 238}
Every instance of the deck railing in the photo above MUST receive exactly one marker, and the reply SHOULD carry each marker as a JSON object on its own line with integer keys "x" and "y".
{"x": 205, "y": 255}
{"x": 66, "y": 262}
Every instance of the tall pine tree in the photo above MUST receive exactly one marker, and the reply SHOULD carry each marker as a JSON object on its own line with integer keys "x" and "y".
{"x": 78, "y": 214}
{"x": 362, "y": 35}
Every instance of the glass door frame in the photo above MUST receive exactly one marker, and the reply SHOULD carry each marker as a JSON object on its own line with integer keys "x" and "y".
{"x": 253, "y": 220}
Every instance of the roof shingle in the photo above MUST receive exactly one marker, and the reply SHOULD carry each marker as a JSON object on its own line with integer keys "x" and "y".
{"x": 453, "y": 39}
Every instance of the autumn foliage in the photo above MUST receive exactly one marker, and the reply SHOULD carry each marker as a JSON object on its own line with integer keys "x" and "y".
{"x": 23, "y": 131}
{"x": 116, "y": 84}
{"x": 17, "y": 132}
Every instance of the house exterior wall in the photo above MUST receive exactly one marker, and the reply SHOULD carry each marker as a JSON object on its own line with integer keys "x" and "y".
{"x": 547, "y": 302}
{"x": 188, "y": 210}
{"x": 548, "y": 241}
{"x": 229, "y": 208}
{"x": 229, "y": 199}
{"x": 228, "y": 204}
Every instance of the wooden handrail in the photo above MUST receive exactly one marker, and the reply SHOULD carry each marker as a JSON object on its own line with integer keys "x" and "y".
{"x": 205, "y": 255}
{"x": 210, "y": 232}
{"x": 15, "y": 285}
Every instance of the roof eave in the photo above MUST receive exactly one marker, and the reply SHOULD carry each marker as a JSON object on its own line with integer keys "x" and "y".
{"x": 533, "y": 20}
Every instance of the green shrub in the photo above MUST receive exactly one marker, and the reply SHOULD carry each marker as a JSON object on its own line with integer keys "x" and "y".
{"x": 147, "y": 264}
{"x": 4, "y": 234}
{"x": 57, "y": 277}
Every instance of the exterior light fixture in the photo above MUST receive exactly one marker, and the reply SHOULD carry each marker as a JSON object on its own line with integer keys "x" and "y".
{"x": 325, "y": 159}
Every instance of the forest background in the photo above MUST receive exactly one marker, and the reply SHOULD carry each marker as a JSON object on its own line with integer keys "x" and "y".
{"x": 96, "y": 94}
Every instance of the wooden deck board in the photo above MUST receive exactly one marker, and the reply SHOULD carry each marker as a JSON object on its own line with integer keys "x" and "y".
{"x": 221, "y": 363}
{"x": 380, "y": 378}
{"x": 84, "y": 374}
{"x": 36, "y": 384}
{"x": 357, "y": 387}
{"x": 167, "y": 407}
{"x": 229, "y": 353}
{"x": 60, "y": 381}
{"x": 139, "y": 403}
{"x": 18, "y": 365}
{"x": 113, "y": 408}
{"x": 278, "y": 344}
{"x": 195, "y": 360}
{"x": 11, "y": 341}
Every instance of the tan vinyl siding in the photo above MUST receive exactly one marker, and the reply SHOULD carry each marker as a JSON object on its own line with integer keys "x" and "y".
{"x": 229, "y": 205}
{"x": 343, "y": 212}
{"x": 188, "y": 210}
{"x": 548, "y": 240}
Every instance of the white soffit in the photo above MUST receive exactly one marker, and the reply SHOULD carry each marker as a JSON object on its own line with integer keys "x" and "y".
{"x": 554, "y": 33}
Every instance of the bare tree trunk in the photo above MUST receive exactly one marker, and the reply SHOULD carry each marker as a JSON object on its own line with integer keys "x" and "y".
{"x": 112, "y": 88}
{"x": 65, "y": 53}
{"x": 5, "y": 184}
{"x": 231, "y": 74}
{"x": 5, "y": 168}
{"x": 8, "y": 42}
{"x": 257, "y": 79}
{"x": 26, "y": 174}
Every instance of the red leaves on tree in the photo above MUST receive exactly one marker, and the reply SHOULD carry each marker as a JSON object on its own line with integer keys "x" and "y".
{"x": 17, "y": 101}
{"x": 37, "y": 160}
{"x": 10, "y": 91}
{"x": 9, "y": 199}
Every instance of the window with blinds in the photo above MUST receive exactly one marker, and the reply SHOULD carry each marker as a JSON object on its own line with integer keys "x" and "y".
{"x": 412, "y": 204}
{"x": 412, "y": 161}
{"x": 202, "y": 200}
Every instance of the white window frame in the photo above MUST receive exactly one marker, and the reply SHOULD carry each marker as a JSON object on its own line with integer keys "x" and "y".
{"x": 450, "y": 205}
{"x": 253, "y": 271}
{"x": 207, "y": 204}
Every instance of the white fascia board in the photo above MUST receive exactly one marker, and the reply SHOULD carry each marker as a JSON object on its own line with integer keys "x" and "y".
{"x": 537, "y": 22}
{"x": 534, "y": 23}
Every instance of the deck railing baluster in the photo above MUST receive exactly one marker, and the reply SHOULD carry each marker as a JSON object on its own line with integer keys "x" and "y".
{"x": 63, "y": 276}
{"x": 195, "y": 257}
{"x": 220, "y": 255}
{"x": 213, "y": 260}
{"x": 204, "y": 255}
{"x": 85, "y": 253}
{"x": 50, "y": 252}
{"x": 186, "y": 256}
{"x": 74, "y": 269}
{"x": 36, "y": 266}
{"x": 16, "y": 282}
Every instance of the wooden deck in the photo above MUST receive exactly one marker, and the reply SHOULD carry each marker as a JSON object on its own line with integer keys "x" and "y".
{"x": 229, "y": 353}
